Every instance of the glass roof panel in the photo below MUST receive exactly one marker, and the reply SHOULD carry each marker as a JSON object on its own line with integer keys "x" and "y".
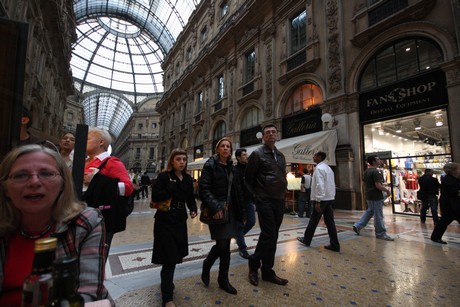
{"x": 119, "y": 50}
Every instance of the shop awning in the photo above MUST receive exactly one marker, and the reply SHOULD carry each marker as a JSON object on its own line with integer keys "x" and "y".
{"x": 299, "y": 149}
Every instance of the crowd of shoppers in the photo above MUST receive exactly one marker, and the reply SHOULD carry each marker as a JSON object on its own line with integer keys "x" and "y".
{"x": 38, "y": 200}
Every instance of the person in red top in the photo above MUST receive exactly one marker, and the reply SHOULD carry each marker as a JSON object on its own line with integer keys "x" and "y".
{"x": 37, "y": 200}
{"x": 96, "y": 148}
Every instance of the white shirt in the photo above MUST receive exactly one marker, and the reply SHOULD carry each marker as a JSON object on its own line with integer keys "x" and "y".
{"x": 323, "y": 183}
{"x": 307, "y": 179}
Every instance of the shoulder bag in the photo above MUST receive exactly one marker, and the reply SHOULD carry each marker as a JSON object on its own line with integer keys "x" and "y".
{"x": 103, "y": 194}
{"x": 221, "y": 216}
{"x": 162, "y": 205}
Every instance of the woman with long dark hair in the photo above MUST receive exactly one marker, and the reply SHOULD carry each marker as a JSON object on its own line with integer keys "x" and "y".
{"x": 170, "y": 239}
{"x": 213, "y": 189}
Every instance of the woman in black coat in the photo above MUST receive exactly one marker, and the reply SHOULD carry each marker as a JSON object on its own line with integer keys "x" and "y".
{"x": 449, "y": 201}
{"x": 170, "y": 239}
{"x": 213, "y": 189}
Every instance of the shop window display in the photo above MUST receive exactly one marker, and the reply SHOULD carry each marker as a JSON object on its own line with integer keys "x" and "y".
{"x": 409, "y": 145}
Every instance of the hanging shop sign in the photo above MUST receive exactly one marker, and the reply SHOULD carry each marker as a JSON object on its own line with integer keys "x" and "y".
{"x": 404, "y": 98}
{"x": 303, "y": 123}
{"x": 299, "y": 149}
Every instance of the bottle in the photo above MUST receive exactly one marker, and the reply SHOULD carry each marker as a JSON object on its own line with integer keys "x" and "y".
{"x": 65, "y": 273}
{"x": 38, "y": 284}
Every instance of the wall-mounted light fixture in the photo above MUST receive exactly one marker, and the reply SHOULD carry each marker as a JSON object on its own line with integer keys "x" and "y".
{"x": 417, "y": 124}
{"x": 438, "y": 120}
{"x": 327, "y": 119}
{"x": 259, "y": 136}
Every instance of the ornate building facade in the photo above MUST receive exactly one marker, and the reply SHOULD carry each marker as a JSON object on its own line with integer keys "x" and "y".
{"x": 361, "y": 68}
{"x": 47, "y": 78}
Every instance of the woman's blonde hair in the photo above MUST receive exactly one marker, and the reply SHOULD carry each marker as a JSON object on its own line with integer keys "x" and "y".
{"x": 450, "y": 167}
{"x": 102, "y": 134}
{"x": 66, "y": 205}
{"x": 231, "y": 147}
{"x": 170, "y": 165}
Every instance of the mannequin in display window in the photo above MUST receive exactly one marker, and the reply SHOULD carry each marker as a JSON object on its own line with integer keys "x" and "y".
{"x": 411, "y": 185}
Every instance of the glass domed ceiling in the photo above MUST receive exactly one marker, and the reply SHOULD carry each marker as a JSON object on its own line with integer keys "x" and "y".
{"x": 116, "y": 61}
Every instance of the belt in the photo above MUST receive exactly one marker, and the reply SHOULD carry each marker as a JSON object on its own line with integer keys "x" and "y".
{"x": 178, "y": 205}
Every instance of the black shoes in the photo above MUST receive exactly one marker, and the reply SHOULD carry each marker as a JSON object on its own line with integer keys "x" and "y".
{"x": 205, "y": 273}
{"x": 439, "y": 241}
{"x": 244, "y": 253}
{"x": 276, "y": 280}
{"x": 226, "y": 286}
{"x": 356, "y": 230}
{"x": 253, "y": 276}
{"x": 301, "y": 240}
{"x": 329, "y": 247}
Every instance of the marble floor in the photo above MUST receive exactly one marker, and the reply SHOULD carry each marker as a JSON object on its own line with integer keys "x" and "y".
{"x": 411, "y": 271}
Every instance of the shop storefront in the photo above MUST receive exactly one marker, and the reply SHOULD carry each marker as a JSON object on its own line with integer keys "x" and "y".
{"x": 406, "y": 125}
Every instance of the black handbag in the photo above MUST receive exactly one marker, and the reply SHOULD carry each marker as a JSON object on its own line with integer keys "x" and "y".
{"x": 103, "y": 194}
{"x": 220, "y": 217}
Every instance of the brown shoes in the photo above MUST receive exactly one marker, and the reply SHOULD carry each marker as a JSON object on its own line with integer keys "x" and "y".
{"x": 253, "y": 276}
{"x": 276, "y": 280}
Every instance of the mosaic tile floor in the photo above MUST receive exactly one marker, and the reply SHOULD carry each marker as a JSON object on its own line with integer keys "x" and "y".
{"x": 411, "y": 271}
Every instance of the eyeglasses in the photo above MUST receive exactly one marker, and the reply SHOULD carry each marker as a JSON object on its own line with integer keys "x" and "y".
{"x": 23, "y": 177}
{"x": 271, "y": 132}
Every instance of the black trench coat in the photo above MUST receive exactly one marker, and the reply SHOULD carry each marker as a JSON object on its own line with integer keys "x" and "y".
{"x": 170, "y": 238}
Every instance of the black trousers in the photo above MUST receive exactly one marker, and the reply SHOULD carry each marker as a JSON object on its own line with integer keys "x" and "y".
{"x": 167, "y": 285}
{"x": 328, "y": 213}
{"x": 441, "y": 226}
{"x": 270, "y": 213}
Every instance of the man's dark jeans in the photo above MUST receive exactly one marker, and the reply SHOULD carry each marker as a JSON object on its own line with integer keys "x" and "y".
{"x": 244, "y": 228}
{"x": 431, "y": 202}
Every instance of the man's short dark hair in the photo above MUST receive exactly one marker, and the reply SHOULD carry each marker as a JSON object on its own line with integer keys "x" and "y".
{"x": 321, "y": 154}
{"x": 428, "y": 170}
{"x": 269, "y": 126}
{"x": 239, "y": 151}
{"x": 371, "y": 159}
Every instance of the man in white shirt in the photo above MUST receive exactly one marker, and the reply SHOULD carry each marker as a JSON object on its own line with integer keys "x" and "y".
{"x": 322, "y": 197}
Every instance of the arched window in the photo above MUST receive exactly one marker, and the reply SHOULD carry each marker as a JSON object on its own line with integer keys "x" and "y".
{"x": 250, "y": 125}
{"x": 198, "y": 145}
{"x": 184, "y": 143}
{"x": 303, "y": 97}
{"x": 400, "y": 60}
{"x": 251, "y": 118}
{"x": 219, "y": 132}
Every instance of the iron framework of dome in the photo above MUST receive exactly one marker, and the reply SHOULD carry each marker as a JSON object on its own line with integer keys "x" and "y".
{"x": 116, "y": 61}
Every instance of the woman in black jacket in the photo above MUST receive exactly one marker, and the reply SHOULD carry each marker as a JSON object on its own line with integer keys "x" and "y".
{"x": 170, "y": 242}
{"x": 213, "y": 189}
{"x": 449, "y": 201}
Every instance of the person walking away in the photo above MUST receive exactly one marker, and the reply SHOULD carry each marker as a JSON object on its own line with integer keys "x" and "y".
{"x": 145, "y": 182}
{"x": 242, "y": 158}
{"x": 449, "y": 201}
{"x": 213, "y": 189}
{"x": 429, "y": 189}
{"x": 266, "y": 179}
{"x": 137, "y": 185}
{"x": 304, "y": 195}
{"x": 322, "y": 196}
{"x": 170, "y": 239}
{"x": 373, "y": 183}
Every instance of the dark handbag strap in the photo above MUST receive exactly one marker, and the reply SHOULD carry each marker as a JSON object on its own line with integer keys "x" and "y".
{"x": 103, "y": 163}
{"x": 230, "y": 179}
